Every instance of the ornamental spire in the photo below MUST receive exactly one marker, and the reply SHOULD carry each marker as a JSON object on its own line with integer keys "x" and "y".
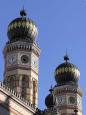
{"x": 66, "y": 58}
{"x": 23, "y": 12}
{"x": 51, "y": 89}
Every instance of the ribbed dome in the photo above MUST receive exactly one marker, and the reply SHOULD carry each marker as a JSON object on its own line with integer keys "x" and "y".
{"x": 49, "y": 100}
{"x": 22, "y": 28}
{"x": 67, "y": 73}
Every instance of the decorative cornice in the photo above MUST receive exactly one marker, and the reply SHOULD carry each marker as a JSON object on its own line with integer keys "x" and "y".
{"x": 22, "y": 46}
{"x": 68, "y": 89}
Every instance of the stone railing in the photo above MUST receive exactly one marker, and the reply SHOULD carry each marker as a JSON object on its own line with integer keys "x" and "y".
{"x": 17, "y": 96}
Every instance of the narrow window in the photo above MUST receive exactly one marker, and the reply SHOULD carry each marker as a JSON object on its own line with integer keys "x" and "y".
{"x": 34, "y": 92}
{"x": 25, "y": 84}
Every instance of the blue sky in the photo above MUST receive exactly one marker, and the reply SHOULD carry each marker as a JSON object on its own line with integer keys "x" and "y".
{"x": 61, "y": 25}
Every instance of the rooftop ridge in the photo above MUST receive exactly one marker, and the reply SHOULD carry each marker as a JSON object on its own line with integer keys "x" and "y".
{"x": 17, "y": 96}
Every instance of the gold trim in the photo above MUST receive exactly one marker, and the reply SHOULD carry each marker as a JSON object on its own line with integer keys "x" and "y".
{"x": 28, "y": 24}
{"x": 68, "y": 69}
{"x": 15, "y": 25}
{"x": 19, "y": 24}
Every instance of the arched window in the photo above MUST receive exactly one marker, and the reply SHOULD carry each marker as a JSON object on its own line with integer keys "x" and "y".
{"x": 24, "y": 82}
{"x": 34, "y": 92}
{"x": 25, "y": 85}
{"x": 11, "y": 82}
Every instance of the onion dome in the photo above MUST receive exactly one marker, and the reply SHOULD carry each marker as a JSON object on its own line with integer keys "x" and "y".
{"x": 49, "y": 100}
{"x": 67, "y": 73}
{"x": 22, "y": 28}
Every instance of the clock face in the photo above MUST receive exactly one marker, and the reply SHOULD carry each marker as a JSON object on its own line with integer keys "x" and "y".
{"x": 24, "y": 59}
{"x": 72, "y": 100}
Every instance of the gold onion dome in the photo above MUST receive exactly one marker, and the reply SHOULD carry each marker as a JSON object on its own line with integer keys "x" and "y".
{"x": 67, "y": 73}
{"x": 22, "y": 28}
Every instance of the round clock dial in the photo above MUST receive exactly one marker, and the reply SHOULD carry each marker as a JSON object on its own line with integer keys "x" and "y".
{"x": 72, "y": 100}
{"x": 24, "y": 59}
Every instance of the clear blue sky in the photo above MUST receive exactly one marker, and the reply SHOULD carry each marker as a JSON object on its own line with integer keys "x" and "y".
{"x": 61, "y": 24}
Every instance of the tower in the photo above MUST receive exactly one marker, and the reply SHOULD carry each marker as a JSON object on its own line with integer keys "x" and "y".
{"x": 21, "y": 55}
{"x": 67, "y": 95}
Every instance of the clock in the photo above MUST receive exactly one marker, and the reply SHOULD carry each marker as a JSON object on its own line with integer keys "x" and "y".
{"x": 72, "y": 100}
{"x": 24, "y": 59}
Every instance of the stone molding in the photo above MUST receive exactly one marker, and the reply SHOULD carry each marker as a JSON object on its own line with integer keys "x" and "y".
{"x": 19, "y": 46}
{"x": 68, "y": 89}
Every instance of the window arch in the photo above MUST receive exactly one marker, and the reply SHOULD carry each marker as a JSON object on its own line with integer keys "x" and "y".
{"x": 11, "y": 82}
{"x": 25, "y": 85}
{"x": 24, "y": 82}
{"x": 34, "y": 92}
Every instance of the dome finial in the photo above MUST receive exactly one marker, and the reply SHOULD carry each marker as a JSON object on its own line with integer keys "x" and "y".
{"x": 49, "y": 100}
{"x": 51, "y": 89}
{"x": 66, "y": 58}
{"x": 23, "y": 12}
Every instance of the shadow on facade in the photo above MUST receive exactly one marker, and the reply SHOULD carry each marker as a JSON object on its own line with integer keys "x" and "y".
{"x": 4, "y": 107}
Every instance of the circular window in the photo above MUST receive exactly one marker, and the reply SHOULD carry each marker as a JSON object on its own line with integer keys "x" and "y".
{"x": 72, "y": 100}
{"x": 24, "y": 59}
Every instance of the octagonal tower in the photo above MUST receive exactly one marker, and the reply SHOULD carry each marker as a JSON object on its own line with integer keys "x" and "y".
{"x": 21, "y": 55}
{"x": 66, "y": 96}
{"x": 67, "y": 91}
